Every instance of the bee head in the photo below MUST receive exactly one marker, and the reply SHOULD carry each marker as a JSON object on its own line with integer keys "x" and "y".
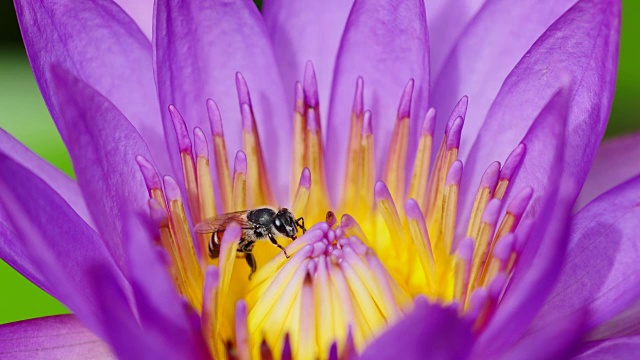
{"x": 285, "y": 223}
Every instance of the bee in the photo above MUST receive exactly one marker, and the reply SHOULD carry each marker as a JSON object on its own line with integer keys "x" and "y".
{"x": 257, "y": 224}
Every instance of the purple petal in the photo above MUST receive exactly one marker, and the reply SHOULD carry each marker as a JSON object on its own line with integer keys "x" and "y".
{"x": 583, "y": 44}
{"x": 618, "y": 348}
{"x": 164, "y": 315}
{"x": 430, "y": 330}
{"x": 103, "y": 146}
{"x": 541, "y": 258}
{"x": 60, "y": 182}
{"x": 625, "y": 323}
{"x": 141, "y": 11}
{"x": 306, "y": 30}
{"x": 601, "y": 272}
{"x": 54, "y": 337}
{"x": 386, "y": 43}
{"x": 198, "y": 59}
{"x": 98, "y": 43}
{"x": 559, "y": 341}
{"x": 488, "y": 49}
{"x": 616, "y": 161}
{"x": 54, "y": 241}
{"x": 447, "y": 19}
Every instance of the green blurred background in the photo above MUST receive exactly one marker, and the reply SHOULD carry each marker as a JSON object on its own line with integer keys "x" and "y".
{"x": 23, "y": 114}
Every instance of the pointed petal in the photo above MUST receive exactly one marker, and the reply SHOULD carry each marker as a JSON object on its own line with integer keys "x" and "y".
{"x": 103, "y": 146}
{"x": 601, "y": 273}
{"x": 430, "y": 330}
{"x": 386, "y": 43}
{"x": 583, "y": 44}
{"x": 163, "y": 313}
{"x": 306, "y": 30}
{"x": 540, "y": 259}
{"x": 486, "y": 52}
{"x": 54, "y": 337}
{"x": 141, "y": 11}
{"x": 60, "y": 182}
{"x": 616, "y": 161}
{"x": 54, "y": 241}
{"x": 625, "y": 348}
{"x": 123, "y": 74}
{"x": 198, "y": 59}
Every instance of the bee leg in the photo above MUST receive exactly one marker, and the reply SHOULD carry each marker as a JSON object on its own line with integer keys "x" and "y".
{"x": 251, "y": 261}
{"x": 300, "y": 223}
{"x": 275, "y": 242}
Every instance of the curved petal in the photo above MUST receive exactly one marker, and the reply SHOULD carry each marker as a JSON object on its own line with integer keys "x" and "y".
{"x": 583, "y": 44}
{"x": 54, "y": 337}
{"x": 430, "y": 331}
{"x": 626, "y": 348}
{"x": 141, "y": 11}
{"x": 163, "y": 314}
{"x": 626, "y": 323}
{"x": 198, "y": 59}
{"x": 616, "y": 161}
{"x": 601, "y": 272}
{"x": 306, "y": 30}
{"x": 55, "y": 242}
{"x": 559, "y": 341}
{"x": 486, "y": 52}
{"x": 544, "y": 229}
{"x": 60, "y": 182}
{"x": 447, "y": 19}
{"x": 100, "y": 44}
{"x": 103, "y": 146}
{"x": 385, "y": 42}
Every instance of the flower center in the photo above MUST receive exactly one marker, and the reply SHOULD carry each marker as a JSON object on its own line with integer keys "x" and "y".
{"x": 345, "y": 281}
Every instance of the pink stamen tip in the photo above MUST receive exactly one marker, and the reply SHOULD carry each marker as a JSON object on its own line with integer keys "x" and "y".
{"x": 305, "y": 178}
{"x": 310, "y": 85}
{"x": 513, "y": 162}
{"x": 491, "y": 212}
{"x": 171, "y": 188}
{"x": 232, "y": 233}
{"x": 347, "y": 221}
{"x": 243, "y": 90}
{"x": 200, "y": 143}
{"x": 518, "y": 205}
{"x": 465, "y": 249}
{"x": 158, "y": 214}
{"x": 333, "y": 351}
{"x": 313, "y": 120}
{"x": 215, "y": 119}
{"x": 358, "y": 98}
{"x": 504, "y": 247}
{"x": 476, "y": 302}
{"x": 240, "y": 163}
{"x": 497, "y": 284}
{"x": 381, "y": 192}
{"x": 460, "y": 110}
{"x": 404, "y": 108}
{"x": 455, "y": 174}
{"x": 429, "y": 123}
{"x": 367, "y": 128}
{"x": 151, "y": 178}
{"x": 299, "y": 94}
{"x": 247, "y": 117}
{"x": 412, "y": 209}
{"x": 454, "y": 133}
{"x": 180, "y": 127}
{"x": 311, "y": 271}
{"x": 490, "y": 177}
{"x": 241, "y": 309}
{"x": 286, "y": 349}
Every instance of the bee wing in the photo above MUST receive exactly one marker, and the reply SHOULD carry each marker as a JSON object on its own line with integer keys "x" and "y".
{"x": 220, "y": 222}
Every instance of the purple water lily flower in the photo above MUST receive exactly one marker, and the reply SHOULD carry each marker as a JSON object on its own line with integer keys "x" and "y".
{"x": 472, "y": 250}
